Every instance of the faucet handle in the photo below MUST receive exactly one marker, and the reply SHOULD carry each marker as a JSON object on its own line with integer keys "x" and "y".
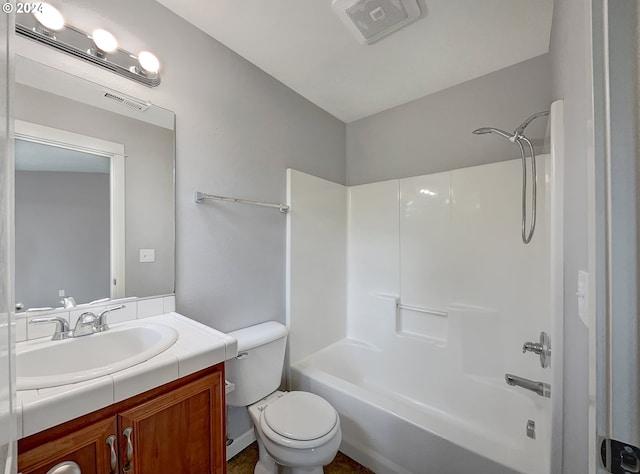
{"x": 68, "y": 302}
{"x": 101, "y": 323}
{"x": 62, "y": 331}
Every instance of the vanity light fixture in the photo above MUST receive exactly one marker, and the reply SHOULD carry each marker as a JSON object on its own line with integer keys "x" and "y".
{"x": 103, "y": 43}
{"x": 47, "y": 26}
{"x": 149, "y": 64}
{"x": 49, "y": 19}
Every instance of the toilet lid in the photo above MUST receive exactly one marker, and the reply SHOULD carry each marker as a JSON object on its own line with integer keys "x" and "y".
{"x": 301, "y": 416}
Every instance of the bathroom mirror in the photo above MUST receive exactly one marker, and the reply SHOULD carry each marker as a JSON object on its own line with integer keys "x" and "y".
{"x": 94, "y": 191}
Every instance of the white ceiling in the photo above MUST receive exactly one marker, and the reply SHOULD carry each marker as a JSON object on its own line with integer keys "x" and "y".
{"x": 304, "y": 44}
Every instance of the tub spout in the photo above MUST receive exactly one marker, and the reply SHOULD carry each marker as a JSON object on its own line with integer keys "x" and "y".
{"x": 541, "y": 388}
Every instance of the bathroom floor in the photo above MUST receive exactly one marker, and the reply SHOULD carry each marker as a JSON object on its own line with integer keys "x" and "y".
{"x": 244, "y": 462}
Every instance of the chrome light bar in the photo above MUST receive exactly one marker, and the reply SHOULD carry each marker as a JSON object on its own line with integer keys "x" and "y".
{"x": 77, "y": 43}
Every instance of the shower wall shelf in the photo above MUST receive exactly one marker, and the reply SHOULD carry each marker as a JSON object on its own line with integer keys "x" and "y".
{"x": 199, "y": 197}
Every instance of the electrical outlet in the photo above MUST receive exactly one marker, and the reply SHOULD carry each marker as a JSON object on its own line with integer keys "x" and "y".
{"x": 147, "y": 255}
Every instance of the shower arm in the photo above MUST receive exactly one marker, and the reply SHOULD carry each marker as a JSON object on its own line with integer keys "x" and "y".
{"x": 518, "y": 132}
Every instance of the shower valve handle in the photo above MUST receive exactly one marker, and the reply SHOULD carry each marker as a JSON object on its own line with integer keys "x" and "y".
{"x": 532, "y": 347}
{"x": 542, "y": 348}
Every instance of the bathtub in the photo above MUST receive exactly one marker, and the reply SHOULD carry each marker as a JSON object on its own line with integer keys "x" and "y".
{"x": 422, "y": 419}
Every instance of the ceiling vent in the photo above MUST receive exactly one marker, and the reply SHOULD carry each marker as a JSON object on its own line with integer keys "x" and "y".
{"x": 371, "y": 20}
{"x": 130, "y": 102}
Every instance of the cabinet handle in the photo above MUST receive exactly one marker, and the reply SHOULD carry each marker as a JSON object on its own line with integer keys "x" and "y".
{"x": 111, "y": 440}
{"x": 128, "y": 433}
{"x": 67, "y": 467}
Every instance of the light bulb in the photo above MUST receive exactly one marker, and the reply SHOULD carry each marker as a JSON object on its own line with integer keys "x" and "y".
{"x": 148, "y": 62}
{"x": 104, "y": 41}
{"x": 49, "y": 17}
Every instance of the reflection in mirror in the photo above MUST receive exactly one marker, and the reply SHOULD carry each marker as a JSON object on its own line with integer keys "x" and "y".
{"x": 68, "y": 190}
{"x": 50, "y": 257}
{"x": 47, "y": 183}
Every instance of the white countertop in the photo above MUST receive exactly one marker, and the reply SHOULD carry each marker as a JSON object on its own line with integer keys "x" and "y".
{"x": 198, "y": 347}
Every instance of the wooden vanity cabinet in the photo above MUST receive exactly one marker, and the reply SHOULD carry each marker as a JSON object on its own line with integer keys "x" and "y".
{"x": 176, "y": 428}
{"x": 86, "y": 447}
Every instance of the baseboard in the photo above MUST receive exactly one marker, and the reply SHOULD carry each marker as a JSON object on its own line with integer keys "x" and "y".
{"x": 240, "y": 442}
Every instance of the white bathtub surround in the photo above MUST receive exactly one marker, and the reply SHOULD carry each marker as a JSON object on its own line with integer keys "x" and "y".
{"x": 196, "y": 348}
{"x": 426, "y": 250}
{"x": 556, "y": 275}
{"x": 316, "y": 263}
{"x": 373, "y": 218}
{"x": 442, "y": 294}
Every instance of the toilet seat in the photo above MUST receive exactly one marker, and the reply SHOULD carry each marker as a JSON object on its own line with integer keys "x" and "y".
{"x": 299, "y": 420}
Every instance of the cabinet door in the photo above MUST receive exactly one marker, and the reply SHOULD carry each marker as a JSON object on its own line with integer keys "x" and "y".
{"x": 88, "y": 447}
{"x": 181, "y": 431}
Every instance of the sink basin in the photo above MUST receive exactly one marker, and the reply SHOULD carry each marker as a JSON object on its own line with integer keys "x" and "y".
{"x": 42, "y": 364}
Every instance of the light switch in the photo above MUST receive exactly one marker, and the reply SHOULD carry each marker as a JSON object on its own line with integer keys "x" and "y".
{"x": 147, "y": 255}
{"x": 583, "y": 297}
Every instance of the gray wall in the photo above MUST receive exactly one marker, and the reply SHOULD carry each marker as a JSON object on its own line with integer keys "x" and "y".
{"x": 149, "y": 175}
{"x": 62, "y": 223}
{"x": 570, "y": 50}
{"x": 238, "y": 129}
{"x": 433, "y": 133}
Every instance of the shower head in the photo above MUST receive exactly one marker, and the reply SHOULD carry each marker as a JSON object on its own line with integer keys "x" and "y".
{"x": 517, "y": 134}
{"x": 519, "y": 139}
{"x": 483, "y": 130}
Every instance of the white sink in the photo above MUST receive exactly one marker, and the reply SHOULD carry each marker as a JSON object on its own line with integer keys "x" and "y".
{"x": 44, "y": 363}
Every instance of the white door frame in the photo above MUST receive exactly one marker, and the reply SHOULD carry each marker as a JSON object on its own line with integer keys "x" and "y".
{"x": 8, "y": 445}
{"x": 613, "y": 224}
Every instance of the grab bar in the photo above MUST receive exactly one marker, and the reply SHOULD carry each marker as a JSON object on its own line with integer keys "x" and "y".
{"x": 541, "y": 388}
{"x": 420, "y": 309}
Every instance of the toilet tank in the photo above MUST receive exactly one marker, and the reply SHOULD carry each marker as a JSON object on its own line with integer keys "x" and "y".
{"x": 257, "y": 370}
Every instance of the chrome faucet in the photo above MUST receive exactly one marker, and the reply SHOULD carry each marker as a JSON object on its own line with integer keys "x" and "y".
{"x": 88, "y": 323}
{"x": 63, "y": 331}
{"x": 101, "y": 323}
{"x": 85, "y": 325}
{"x": 541, "y": 388}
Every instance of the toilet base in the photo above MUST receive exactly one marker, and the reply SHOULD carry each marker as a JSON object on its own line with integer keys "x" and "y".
{"x": 300, "y": 470}
{"x": 267, "y": 465}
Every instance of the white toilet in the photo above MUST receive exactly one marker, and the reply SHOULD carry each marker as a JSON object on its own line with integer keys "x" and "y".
{"x": 297, "y": 432}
